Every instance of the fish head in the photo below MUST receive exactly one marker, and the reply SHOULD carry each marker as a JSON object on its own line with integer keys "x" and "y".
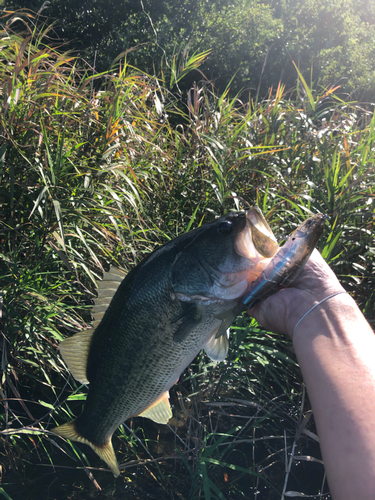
{"x": 221, "y": 258}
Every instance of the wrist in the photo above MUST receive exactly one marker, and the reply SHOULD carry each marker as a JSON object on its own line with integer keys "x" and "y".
{"x": 315, "y": 306}
{"x": 327, "y": 317}
{"x": 316, "y": 284}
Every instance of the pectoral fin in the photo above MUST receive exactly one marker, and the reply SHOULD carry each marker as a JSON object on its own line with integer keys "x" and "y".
{"x": 190, "y": 317}
{"x": 75, "y": 351}
{"x": 227, "y": 318}
{"x": 160, "y": 411}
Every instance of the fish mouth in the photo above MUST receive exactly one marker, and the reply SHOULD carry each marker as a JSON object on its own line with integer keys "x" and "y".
{"x": 257, "y": 243}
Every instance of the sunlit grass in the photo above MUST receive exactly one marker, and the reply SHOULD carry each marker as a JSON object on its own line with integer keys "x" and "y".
{"x": 93, "y": 173}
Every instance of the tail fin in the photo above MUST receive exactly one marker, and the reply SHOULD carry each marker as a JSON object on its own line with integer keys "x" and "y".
{"x": 105, "y": 452}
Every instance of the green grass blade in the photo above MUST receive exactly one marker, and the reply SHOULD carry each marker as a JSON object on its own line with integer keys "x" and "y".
{"x": 306, "y": 87}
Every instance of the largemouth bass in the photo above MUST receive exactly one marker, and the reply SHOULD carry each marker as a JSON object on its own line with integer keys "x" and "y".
{"x": 178, "y": 300}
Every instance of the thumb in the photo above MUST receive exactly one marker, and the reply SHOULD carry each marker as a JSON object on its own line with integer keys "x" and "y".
{"x": 271, "y": 312}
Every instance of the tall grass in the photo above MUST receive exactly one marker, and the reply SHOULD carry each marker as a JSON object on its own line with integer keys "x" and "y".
{"x": 98, "y": 170}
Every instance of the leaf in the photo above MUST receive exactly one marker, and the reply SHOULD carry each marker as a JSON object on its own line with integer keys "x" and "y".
{"x": 38, "y": 200}
{"x": 5, "y": 494}
{"x": 3, "y": 149}
{"x": 59, "y": 216}
{"x": 192, "y": 219}
{"x": 306, "y": 87}
{"x": 186, "y": 64}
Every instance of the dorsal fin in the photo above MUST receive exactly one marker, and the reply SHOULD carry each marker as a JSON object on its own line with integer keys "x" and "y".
{"x": 107, "y": 287}
{"x": 75, "y": 351}
{"x": 114, "y": 274}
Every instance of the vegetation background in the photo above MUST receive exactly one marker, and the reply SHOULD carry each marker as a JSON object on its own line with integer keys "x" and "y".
{"x": 103, "y": 160}
{"x": 253, "y": 43}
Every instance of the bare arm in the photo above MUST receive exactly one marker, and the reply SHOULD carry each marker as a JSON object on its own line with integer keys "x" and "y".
{"x": 335, "y": 347}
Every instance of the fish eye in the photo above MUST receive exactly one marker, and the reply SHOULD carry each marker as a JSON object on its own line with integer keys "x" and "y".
{"x": 225, "y": 227}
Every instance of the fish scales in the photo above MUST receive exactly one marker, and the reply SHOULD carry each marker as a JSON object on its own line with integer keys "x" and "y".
{"x": 144, "y": 363}
{"x": 179, "y": 299}
{"x": 160, "y": 317}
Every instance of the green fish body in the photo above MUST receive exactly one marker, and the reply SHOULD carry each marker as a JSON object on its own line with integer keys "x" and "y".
{"x": 178, "y": 300}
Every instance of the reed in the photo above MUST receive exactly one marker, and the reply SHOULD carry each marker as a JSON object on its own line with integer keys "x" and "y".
{"x": 100, "y": 169}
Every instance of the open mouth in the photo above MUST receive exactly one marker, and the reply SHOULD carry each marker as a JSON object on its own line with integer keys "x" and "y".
{"x": 257, "y": 243}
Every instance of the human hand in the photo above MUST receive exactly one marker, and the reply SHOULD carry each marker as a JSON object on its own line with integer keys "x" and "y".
{"x": 280, "y": 312}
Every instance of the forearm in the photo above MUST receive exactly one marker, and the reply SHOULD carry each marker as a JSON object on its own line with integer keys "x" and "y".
{"x": 335, "y": 348}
